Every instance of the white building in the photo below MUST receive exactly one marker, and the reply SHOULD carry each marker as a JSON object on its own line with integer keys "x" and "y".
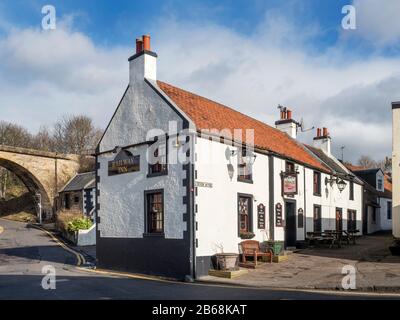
{"x": 396, "y": 170}
{"x": 215, "y": 176}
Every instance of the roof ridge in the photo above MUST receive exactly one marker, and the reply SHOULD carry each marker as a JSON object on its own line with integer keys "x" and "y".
{"x": 225, "y": 106}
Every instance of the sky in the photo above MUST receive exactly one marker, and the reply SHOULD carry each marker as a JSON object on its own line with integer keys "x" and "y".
{"x": 251, "y": 55}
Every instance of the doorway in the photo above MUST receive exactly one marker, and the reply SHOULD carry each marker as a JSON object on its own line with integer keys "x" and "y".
{"x": 339, "y": 219}
{"x": 290, "y": 226}
{"x": 317, "y": 219}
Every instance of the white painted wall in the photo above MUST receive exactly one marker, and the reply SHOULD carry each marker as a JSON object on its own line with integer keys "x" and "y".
{"x": 122, "y": 198}
{"x": 217, "y": 215}
{"x": 385, "y": 223}
{"x": 396, "y": 172}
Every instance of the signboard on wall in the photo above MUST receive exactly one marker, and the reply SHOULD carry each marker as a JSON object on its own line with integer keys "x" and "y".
{"x": 261, "y": 216}
{"x": 124, "y": 162}
{"x": 278, "y": 215}
{"x": 289, "y": 183}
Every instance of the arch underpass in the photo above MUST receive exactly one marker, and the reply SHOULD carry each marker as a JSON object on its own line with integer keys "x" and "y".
{"x": 41, "y": 172}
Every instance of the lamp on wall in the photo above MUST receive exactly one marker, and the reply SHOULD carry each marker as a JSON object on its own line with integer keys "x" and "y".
{"x": 341, "y": 184}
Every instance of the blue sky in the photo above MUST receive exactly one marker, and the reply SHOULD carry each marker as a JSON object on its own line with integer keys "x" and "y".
{"x": 251, "y": 55}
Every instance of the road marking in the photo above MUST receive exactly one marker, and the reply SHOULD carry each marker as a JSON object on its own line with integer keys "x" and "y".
{"x": 1, "y": 229}
{"x": 233, "y": 286}
{"x": 79, "y": 257}
{"x": 127, "y": 275}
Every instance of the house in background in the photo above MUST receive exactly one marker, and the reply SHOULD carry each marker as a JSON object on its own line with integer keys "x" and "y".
{"x": 78, "y": 195}
{"x": 377, "y": 211}
{"x": 169, "y": 217}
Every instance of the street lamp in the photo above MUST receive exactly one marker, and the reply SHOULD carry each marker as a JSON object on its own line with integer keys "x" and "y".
{"x": 341, "y": 184}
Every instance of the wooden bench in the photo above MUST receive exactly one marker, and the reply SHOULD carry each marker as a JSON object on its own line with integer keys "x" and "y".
{"x": 251, "y": 248}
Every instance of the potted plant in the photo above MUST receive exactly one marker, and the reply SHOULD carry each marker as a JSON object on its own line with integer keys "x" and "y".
{"x": 226, "y": 261}
{"x": 247, "y": 235}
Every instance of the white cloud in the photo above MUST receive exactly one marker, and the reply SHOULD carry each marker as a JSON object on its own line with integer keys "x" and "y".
{"x": 46, "y": 74}
{"x": 378, "y": 21}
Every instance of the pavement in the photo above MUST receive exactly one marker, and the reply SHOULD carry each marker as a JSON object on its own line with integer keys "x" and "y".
{"x": 24, "y": 251}
{"x": 321, "y": 268}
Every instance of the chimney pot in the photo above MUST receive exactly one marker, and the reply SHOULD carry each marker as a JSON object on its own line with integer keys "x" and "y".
{"x": 146, "y": 43}
{"x": 325, "y": 132}
{"x": 289, "y": 114}
{"x": 139, "y": 45}
{"x": 318, "y": 132}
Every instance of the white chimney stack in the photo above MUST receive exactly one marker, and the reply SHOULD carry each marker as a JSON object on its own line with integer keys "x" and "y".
{"x": 286, "y": 123}
{"x": 144, "y": 63}
{"x": 323, "y": 140}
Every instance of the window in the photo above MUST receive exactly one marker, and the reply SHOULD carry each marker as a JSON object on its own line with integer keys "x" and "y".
{"x": 245, "y": 213}
{"x": 380, "y": 185}
{"x": 244, "y": 167}
{"x": 160, "y": 167}
{"x": 76, "y": 199}
{"x": 155, "y": 212}
{"x": 389, "y": 210}
{"x": 317, "y": 183}
{"x": 351, "y": 219}
{"x": 351, "y": 190}
{"x": 290, "y": 167}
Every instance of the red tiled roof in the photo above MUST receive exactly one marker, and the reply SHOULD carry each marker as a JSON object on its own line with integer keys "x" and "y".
{"x": 353, "y": 167}
{"x": 387, "y": 183}
{"x": 207, "y": 115}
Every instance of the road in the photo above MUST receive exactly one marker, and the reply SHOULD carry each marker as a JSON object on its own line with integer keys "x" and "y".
{"x": 25, "y": 251}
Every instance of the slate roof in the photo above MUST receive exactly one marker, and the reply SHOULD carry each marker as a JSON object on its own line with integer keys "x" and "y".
{"x": 80, "y": 182}
{"x": 208, "y": 114}
{"x": 328, "y": 160}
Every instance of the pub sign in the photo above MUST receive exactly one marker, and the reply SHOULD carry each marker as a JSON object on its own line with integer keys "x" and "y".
{"x": 261, "y": 216}
{"x": 278, "y": 215}
{"x": 289, "y": 183}
{"x": 124, "y": 162}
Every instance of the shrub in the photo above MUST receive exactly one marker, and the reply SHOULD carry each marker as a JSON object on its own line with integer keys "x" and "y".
{"x": 79, "y": 224}
{"x": 64, "y": 218}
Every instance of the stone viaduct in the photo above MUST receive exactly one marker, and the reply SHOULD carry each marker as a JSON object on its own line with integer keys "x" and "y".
{"x": 41, "y": 172}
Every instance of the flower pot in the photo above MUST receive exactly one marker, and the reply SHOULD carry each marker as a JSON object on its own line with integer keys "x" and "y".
{"x": 227, "y": 261}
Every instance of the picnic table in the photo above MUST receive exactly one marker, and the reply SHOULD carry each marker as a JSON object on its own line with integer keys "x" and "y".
{"x": 332, "y": 237}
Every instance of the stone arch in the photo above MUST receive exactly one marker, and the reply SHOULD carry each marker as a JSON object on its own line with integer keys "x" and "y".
{"x": 31, "y": 182}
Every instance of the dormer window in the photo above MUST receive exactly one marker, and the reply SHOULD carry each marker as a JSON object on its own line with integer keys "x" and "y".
{"x": 244, "y": 166}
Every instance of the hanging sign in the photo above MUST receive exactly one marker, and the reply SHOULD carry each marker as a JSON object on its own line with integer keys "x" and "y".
{"x": 278, "y": 215}
{"x": 289, "y": 183}
{"x": 124, "y": 162}
{"x": 261, "y": 216}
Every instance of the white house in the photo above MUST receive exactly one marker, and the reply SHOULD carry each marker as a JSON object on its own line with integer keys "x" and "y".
{"x": 181, "y": 177}
{"x": 396, "y": 169}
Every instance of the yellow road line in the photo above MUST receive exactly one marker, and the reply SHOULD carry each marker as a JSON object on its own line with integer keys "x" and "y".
{"x": 79, "y": 257}
{"x": 127, "y": 275}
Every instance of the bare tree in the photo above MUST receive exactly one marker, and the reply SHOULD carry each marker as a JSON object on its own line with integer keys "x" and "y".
{"x": 75, "y": 134}
{"x": 367, "y": 162}
{"x": 43, "y": 140}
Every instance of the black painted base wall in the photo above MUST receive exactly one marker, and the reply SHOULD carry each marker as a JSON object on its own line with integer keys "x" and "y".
{"x": 149, "y": 255}
{"x": 203, "y": 265}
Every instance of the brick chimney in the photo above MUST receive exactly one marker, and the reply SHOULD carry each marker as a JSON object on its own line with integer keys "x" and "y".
{"x": 323, "y": 140}
{"x": 143, "y": 64}
{"x": 286, "y": 123}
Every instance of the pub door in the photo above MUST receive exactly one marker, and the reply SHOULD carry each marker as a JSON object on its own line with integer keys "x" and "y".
{"x": 339, "y": 219}
{"x": 290, "y": 225}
